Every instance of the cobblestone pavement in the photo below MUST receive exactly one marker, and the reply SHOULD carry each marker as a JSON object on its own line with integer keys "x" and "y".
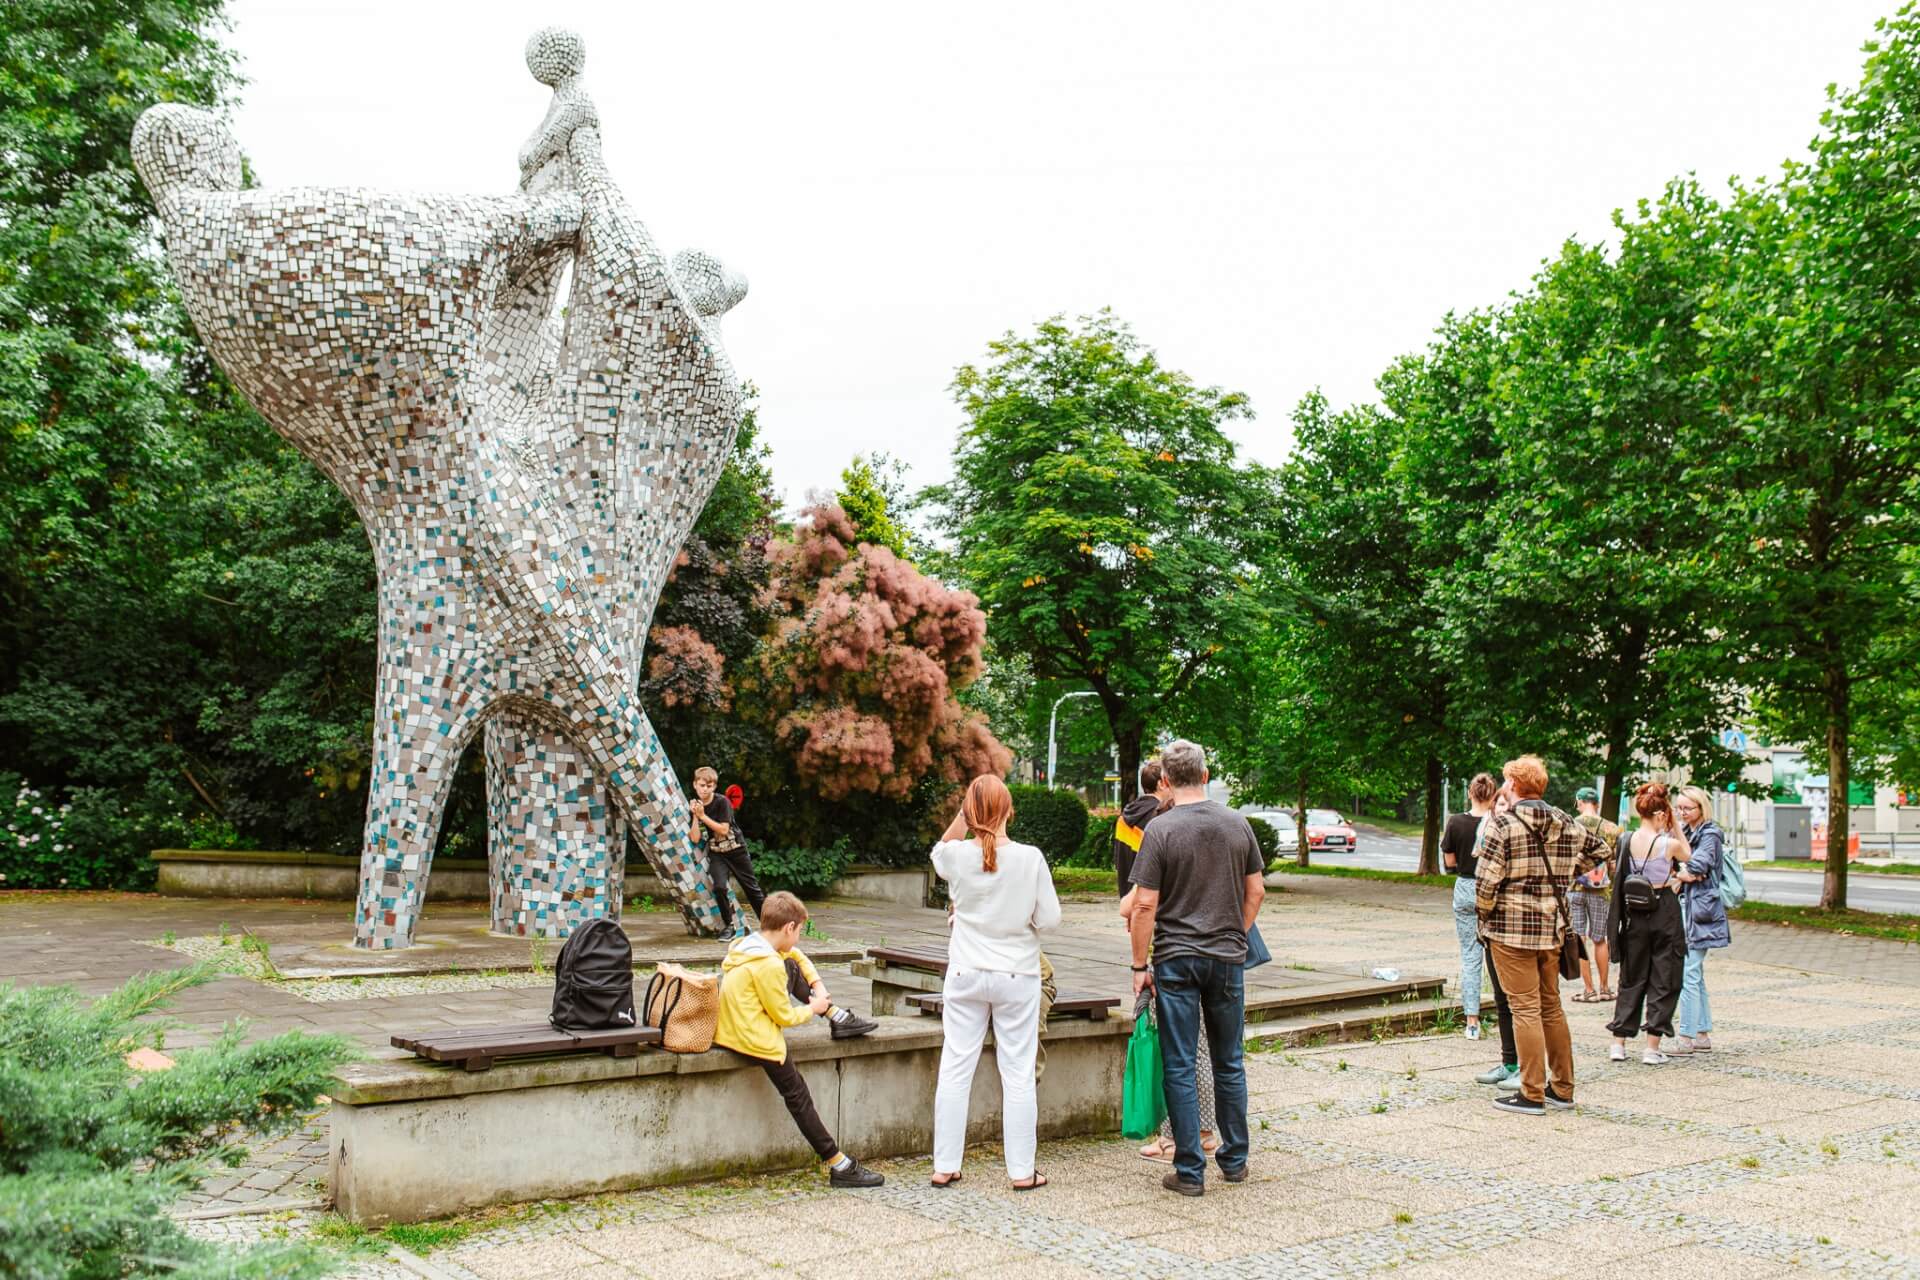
{"x": 1794, "y": 1148}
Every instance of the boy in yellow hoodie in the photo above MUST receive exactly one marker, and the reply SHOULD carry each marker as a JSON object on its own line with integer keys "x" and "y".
{"x": 767, "y": 984}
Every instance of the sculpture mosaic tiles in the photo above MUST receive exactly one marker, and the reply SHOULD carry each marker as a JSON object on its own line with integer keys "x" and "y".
{"x": 525, "y": 474}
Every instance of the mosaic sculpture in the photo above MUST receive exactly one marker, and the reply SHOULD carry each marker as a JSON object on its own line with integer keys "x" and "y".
{"x": 526, "y": 476}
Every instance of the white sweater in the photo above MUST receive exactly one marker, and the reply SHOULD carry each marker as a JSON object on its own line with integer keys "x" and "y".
{"x": 997, "y": 915}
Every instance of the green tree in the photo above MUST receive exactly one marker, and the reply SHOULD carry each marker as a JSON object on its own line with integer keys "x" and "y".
{"x": 1604, "y": 562}
{"x": 1099, "y": 512}
{"x": 1390, "y": 511}
{"x": 872, "y": 490}
{"x": 1810, "y": 334}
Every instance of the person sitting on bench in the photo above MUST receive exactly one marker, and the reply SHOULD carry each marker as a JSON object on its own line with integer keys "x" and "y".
{"x": 767, "y": 984}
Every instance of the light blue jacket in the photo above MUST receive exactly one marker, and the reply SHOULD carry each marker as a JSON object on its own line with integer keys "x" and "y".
{"x": 1701, "y": 906}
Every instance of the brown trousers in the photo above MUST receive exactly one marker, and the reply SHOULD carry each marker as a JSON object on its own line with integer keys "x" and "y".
{"x": 1531, "y": 980}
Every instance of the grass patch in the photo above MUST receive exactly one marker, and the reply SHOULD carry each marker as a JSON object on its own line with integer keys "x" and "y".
{"x": 1084, "y": 880}
{"x": 1364, "y": 873}
{"x": 425, "y": 1237}
{"x": 1854, "y": 869}
{"x": 1862, "y": 924}
{"x": 1393, "y": 826}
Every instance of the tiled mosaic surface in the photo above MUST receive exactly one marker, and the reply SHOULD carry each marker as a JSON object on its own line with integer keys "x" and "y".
{"x": 526, "y": 475}
{"x": 1793, "y": 1149}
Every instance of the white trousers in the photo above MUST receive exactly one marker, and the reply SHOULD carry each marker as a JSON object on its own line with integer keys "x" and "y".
{"x": 1010, "y": 1002}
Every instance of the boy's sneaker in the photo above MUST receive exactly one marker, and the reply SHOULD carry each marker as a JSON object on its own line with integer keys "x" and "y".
{"x": 851, "y": 1026}
{"x": 1510, "y": 1085}
{"x": 1473, "y": 1031}
{"x": 1519, "y": 1105}
{"x": 1654, "y": 1058}
{"x": 1617, "y": 1053}
{"x": 1497, "y": 1074}
{"x": 855, "y": 1175}
{"x": 1557, "y": 1102}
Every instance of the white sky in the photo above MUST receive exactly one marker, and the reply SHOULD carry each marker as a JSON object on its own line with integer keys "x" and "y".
{"x": 1277, "y": 196}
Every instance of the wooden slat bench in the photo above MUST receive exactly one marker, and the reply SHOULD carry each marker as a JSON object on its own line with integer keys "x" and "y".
{"x": 897, "y": 972}
{"x": 1069, "y": 1004}
{"x": 476, "y": 1048}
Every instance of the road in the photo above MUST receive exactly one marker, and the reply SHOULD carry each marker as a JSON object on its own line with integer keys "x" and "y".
{"x": 1865, "y": 891}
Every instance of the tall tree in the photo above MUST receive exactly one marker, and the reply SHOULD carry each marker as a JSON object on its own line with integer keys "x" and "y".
{"x": 872, "y": 493}
{"x": 1813, "y": 334}
{"x": 1604, "y": 557}
{"x": 1390, "y": 509}
{"x": 1099, "y": 511}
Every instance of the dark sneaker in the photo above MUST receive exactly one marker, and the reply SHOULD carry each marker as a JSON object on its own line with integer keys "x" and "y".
{"x": 1234, "y": 1175}
{"x": 852, "y": 1026}
{"x": 1175, "y": 1183}
{"x": 855, "y": 1175}
{"x": 1518, "y": 1104}
{"x": 1557, "y": 1102}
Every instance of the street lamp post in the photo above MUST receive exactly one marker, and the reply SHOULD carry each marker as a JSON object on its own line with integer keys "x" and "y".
{"x": 1053, "y": 723}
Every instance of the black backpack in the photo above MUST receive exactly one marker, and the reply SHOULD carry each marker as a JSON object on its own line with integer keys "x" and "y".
{"x": 593, "y": 980}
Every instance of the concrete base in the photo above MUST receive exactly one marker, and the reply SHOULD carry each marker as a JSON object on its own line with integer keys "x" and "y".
{"x": 412, "y": 1141}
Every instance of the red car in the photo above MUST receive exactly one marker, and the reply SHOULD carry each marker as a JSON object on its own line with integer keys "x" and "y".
{"x": 1328, "y": 832}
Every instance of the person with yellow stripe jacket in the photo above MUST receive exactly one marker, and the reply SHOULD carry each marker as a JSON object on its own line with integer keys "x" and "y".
{"x": 1131, "y": 826}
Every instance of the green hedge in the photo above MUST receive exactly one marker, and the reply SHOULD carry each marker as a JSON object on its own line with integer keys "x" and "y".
{"x": 1266, "y": 837}
{"x": 1056, "y": 821}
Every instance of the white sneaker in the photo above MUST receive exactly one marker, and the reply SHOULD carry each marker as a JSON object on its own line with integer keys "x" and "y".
{"x": 1473, "y": 1031}
{"x": 1654, "y": 1058}
{"x": 1678, "y": 1047}
{"x": 1617, "y": 1053}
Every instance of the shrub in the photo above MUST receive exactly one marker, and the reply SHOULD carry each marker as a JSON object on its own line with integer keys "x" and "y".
{"x": 1096, "y": 847}
{"x": 91, "y": 839}
{"x": 1055, "y": 821}
{"x": 93, "y": 1152}
{"x": 1266, "y": 837}
{"x": 810, "y": 873}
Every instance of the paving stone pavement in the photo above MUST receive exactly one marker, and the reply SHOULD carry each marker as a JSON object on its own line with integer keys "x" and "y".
{"x": 1793, "y": 1149}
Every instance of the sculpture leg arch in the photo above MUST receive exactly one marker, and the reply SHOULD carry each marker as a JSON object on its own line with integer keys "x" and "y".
{"x": 556, "y": 843}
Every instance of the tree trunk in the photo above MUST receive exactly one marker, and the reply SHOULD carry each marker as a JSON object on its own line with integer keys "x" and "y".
{"x": 1430, "y": 833}
{"x": 1128, "y": 740}
{"x": 1300, "y": 850}
{"x": 1833, "y": 888}
{"x": 1616, "y": 776}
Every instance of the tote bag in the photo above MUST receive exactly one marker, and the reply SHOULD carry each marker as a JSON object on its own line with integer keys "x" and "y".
{"x": 1143, "y": 1098}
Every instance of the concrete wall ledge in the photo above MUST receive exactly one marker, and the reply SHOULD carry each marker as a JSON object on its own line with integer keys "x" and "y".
{"x": 272, "y": 873}
{"x": 412, "y": 1140}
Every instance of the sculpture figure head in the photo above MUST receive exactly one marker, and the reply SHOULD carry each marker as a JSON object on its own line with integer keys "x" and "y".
{"x": 711, "y": 287}
{"x": 178, "y": 148}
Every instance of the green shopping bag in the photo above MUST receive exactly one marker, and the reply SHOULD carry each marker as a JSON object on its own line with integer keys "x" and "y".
{"x": 1143, "y": 1098}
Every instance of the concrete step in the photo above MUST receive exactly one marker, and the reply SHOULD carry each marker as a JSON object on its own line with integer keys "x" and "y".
{"x": 1354, "y": 994}
{"x": 1331, "y": 1026}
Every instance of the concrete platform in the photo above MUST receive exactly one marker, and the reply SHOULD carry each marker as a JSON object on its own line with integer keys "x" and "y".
{"x": 410, "y": 1140}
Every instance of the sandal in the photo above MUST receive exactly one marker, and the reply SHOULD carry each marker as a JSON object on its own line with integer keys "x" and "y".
{"x": 1039, "y": 1180}
{"x": 1160, "y": 1151}
{"x": 935, "y": 1182}
{"x": 1606, "y": 994}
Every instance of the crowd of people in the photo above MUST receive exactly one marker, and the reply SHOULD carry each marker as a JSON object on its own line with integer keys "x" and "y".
{"x": 1531, "y": 882}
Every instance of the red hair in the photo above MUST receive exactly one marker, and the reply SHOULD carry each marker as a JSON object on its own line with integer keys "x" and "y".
{"x": 1652, "y": 799}
{"x": 988, "y": 807}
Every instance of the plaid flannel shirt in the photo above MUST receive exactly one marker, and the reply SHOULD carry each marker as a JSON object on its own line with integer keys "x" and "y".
{"x": 1527, "y": 864}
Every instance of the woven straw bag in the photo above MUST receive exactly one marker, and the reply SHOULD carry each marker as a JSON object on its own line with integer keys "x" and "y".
{"x": 685, "y": 1006}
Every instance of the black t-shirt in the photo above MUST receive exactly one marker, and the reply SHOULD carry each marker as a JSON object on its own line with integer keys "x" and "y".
{"x": 719, "y": 809}
{"x": 1198, "y": 856}
{"x": 1458, "y": 839}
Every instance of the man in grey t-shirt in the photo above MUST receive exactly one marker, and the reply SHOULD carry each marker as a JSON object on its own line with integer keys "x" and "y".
{"x": 1199, "y": 881}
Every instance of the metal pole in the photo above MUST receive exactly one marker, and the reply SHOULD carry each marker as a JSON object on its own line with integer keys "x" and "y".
{"x": 1053, "y": 724}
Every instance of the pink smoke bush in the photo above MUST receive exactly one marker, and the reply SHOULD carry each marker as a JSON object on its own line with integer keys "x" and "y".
{"x": 685, "y": 671}
{"x": 858, "y": 677}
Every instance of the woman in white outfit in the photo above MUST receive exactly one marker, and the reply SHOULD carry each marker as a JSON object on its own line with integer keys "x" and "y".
{"x": 1002, "y": 895}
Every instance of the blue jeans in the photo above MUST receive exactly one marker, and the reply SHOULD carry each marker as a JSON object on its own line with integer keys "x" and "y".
{"x": 1199, "y": 993}
{"x": 1696, "y": 1012}
{"x": 1466, "y": 924}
